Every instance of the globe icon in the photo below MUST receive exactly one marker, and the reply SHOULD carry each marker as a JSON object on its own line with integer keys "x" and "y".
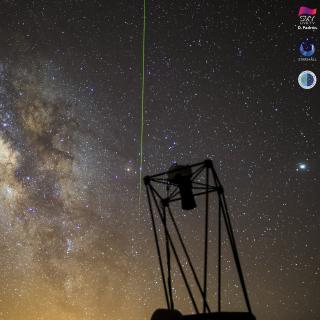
{"x": 307, "y": 79}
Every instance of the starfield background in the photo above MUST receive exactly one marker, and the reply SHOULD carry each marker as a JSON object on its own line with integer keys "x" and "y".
{"x": 221, "y": 83}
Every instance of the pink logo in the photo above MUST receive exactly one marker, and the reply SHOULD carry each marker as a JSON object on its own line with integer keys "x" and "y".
{"x": 307, "y": 11}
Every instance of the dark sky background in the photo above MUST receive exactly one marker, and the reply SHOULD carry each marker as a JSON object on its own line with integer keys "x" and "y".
{"x": 221, "y": 83}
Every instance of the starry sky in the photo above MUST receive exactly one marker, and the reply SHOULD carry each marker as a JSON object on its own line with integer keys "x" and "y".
{"x": 220, "y": 83}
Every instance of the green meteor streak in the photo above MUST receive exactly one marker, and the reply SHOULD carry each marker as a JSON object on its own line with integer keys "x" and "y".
{"x": 142, "y": 101}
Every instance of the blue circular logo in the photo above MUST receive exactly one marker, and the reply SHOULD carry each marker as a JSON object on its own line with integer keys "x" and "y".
{"x": 307, "y": 48}
{"x": 307, "y": 79}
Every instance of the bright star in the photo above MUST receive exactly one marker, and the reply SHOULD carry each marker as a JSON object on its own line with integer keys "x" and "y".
{"x": 302, "y": 167}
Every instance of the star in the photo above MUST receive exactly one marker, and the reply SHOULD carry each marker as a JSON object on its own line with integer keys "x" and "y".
{"x": 302, "y": 167}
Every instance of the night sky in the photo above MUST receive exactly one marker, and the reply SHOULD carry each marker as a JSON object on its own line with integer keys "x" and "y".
{"x": 220, "y": 83}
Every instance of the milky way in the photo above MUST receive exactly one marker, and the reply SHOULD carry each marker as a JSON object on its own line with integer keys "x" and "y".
{"x": 52, "y": 222}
